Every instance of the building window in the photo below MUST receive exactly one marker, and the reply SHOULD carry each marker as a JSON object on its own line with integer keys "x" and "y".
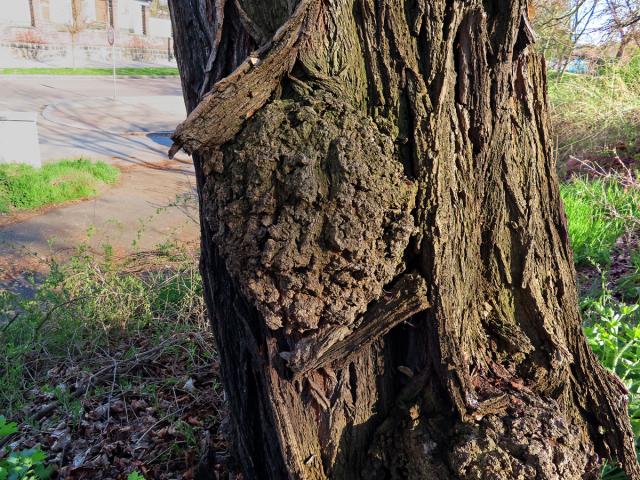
{"x": 144, "y": 20}
{"x": 32, "y": 12}
{"x": 110, "y": 10}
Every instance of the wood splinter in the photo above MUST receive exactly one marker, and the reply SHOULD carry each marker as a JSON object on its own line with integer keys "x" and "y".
{"x": 407, "y": 298}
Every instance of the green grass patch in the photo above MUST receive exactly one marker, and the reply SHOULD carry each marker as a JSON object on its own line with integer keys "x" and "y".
{"x": 597, "y": 214}
{"x": 591, "y": 114}
{"x": 121, "y": 71}
{"x": 23, "y": 187}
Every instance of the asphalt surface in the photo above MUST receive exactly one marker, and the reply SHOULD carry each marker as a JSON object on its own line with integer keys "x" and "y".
{"x": 78, "y": 117}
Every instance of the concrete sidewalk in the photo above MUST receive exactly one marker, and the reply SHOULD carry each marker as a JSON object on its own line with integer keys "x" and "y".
{"x": 120, "y": 115}
{"x": 148, "y": 207}
{"x": 78, "y": 116}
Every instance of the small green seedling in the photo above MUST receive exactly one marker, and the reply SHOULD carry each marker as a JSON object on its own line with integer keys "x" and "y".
{"x": 24, "y": 464}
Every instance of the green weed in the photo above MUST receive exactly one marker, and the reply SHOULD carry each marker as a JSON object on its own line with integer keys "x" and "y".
{"x": 24, "y": 464}
{"x": 628, "y": 286}
{"x": 598, "y": 213}
{"x": 23, "y": 187}
{"x": 613, "y": 331}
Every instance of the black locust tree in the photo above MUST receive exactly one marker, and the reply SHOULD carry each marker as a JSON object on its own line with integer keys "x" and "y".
{"x": 384, "y": 250}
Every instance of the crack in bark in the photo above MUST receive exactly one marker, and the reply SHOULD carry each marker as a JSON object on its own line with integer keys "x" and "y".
{"x": 338, "y": 345}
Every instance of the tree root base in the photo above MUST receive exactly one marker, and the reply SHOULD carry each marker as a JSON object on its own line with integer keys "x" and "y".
{"x": 530, "y": 439}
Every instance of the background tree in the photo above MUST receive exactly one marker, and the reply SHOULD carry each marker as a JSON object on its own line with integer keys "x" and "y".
{"x": 563, "y": 25}
{"x": 76, "y": 25}
{"x": 622, "y": 23}
{"x": 384, "y": 251}
{"x": 606, "y": 26}
{"x": 552, "y": 23}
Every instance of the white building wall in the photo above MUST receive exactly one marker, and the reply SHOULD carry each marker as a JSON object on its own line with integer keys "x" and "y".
{"x": 60, "y": 11}
{"x": 89, "y": 10}
{"x": 130, "y": 16}
{"x": 15, "y": 12}
{"x": 159, "y": 27}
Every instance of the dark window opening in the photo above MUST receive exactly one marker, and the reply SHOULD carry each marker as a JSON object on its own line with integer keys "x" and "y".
{"x": 110, "y": 8}
{"x": 32, "y": 12}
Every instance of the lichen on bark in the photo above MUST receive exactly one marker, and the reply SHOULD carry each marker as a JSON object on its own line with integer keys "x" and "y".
{"x": 311, "y": 211}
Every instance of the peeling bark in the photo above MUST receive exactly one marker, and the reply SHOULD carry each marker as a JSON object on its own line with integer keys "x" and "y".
{"x": 385, "y": 254}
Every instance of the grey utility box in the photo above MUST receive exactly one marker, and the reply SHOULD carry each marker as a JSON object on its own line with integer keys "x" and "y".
{"x": 19, "y": 138}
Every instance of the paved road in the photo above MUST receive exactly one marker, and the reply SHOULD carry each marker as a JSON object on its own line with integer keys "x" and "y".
{"x": 78, "y": 115}
{"x": 79, "y": 119}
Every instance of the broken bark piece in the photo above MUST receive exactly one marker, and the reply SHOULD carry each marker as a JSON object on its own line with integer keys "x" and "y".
{"x": 407, "y": 298}
{"x": 234, "y": 99}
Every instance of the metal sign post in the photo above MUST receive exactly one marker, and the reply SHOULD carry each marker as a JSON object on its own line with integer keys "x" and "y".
{"x": 111, "y": 39}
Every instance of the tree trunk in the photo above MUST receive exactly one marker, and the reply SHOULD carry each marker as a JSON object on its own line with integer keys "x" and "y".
{"x": 384, "y": 250}
{"x": 624, "y": 42}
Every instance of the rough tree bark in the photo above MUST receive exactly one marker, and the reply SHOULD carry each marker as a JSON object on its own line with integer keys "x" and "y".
{"x": 384, "y": 250}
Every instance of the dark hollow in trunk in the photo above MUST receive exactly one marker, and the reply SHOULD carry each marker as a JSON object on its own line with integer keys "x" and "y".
{"x": 384, "y": 250}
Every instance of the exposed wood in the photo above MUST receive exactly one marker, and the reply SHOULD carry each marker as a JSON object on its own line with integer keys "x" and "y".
{"x": 338, "y": 345}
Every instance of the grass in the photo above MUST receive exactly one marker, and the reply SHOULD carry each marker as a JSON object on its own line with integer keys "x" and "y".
{"x": 86, "y": 305}
{"x": 592, "y": 114}
{"x": 121, "y": 71}
{"x": 598, "y": 213}
{"x": 23, "y": 187}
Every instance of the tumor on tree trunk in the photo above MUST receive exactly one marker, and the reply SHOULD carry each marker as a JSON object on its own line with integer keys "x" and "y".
{"x": 311, "y": 212}
{"x": 384, "y": 251}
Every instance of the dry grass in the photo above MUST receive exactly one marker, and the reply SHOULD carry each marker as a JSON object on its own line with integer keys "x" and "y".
{"x": 111, "y": 367}
{"x": 593, "y": 116}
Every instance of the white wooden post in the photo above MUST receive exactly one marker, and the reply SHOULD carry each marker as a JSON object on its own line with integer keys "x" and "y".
{"x": 19, "y": 138}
